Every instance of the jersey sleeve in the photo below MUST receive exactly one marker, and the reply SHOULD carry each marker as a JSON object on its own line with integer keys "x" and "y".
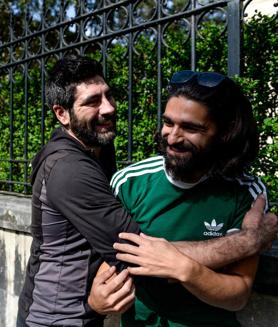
{"x": 249, "y": 189}
{"x": 243, "y": 204}
{"x": 123, "y": 199}
{"x": 80, "y": 191}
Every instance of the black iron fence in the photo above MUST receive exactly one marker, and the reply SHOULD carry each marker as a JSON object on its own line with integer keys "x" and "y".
{"x": 42, "y": 31}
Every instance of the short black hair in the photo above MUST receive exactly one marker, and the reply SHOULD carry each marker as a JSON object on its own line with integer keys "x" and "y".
{"x": 66, "y": 74}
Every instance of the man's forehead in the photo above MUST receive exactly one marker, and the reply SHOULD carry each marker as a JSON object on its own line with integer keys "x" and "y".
{"x": 96, "y": 84}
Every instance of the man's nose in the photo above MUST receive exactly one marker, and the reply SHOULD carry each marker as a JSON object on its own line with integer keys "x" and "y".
{"x": 107, "y": 107}
{"x": 174, "y": 136}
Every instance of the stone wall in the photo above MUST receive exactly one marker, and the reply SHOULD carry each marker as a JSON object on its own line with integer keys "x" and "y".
{"x": 15, "y": 240}
{"x": 15, "y": 243}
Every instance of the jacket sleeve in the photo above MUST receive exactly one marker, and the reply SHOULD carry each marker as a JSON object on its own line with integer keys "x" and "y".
{"x": 79, "y": 190}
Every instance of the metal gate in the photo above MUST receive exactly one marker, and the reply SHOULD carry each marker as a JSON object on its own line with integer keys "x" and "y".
{"x": 45, "y": 30}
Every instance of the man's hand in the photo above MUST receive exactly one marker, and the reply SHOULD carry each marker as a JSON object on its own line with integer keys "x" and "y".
{"x": 262, "y": 227}
{"x": 114, "y": 295}
{"x": 153, "y": 256}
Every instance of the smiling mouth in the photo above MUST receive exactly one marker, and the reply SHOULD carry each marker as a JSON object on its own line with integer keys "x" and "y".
{"x": 104, "y": 126}
{"x": 177, "y": 149}
{"x": 179, "y": 152}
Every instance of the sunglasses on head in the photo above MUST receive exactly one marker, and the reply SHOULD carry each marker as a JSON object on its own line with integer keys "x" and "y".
{"x": 208, "y": 79}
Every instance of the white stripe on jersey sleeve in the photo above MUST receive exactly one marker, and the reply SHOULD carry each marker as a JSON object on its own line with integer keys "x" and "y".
{"x": 133, "y": 174}
{"x": 255, "y": 187}
{"x": 150, "y": 162}
{"x": 232, "y": 230}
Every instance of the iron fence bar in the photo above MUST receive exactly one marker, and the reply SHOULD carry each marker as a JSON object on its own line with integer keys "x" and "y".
{"x": 42, "y": 102}
{"x": 193, "y": 37}
{"x": 25, "y": 141}
{"x": 42, "y": 72}
{"x": 14, "y": 160}
{"x": 104, "y": 47}
{"x": 234, "y": 37}
{"x": 25, "y": 146}
{"x": 60, "y": 27}
{"x": 159, "y": 74}
{"x": 11, "y": 182}
{"x": 130, "y": 93}
{"x": 11, "y": 104}
{"x": 81, "y": 7}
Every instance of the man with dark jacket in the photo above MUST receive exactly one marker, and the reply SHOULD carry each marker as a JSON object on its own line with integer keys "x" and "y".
{"x": 75, "y": 217}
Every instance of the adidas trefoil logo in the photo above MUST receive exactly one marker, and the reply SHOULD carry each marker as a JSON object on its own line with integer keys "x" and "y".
{"x": 213, "y": 228}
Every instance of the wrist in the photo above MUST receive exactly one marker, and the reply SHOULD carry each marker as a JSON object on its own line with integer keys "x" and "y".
{"x": 185, "y": 270}
{"x": 253, "y": 242}
{"x": 90, "y": 303}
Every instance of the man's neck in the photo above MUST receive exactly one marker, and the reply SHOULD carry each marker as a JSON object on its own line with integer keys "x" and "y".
{"x": 185, "y": 183}
{"x": 190, "y": 177}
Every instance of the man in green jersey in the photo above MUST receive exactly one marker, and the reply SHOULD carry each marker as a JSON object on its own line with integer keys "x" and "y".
{"x": 196, "y": 190}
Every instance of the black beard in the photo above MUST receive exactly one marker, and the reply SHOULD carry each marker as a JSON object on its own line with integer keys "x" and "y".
{"x": 86, "y": 133}
{"x": 181, "y": 167}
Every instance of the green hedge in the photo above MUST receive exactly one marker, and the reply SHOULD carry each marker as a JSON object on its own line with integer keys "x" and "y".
{"x": 259, "y": 82}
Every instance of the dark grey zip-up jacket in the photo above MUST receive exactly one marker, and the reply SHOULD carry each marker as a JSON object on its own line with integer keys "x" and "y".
{"x": 75, "y": 221}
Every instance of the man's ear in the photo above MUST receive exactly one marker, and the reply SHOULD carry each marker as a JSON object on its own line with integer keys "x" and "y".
{"x": 62, "y": 114}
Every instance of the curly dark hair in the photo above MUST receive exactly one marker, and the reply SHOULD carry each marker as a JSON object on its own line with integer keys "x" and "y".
{"x": 229, "y": 108}
{"x": 66, "y": 74}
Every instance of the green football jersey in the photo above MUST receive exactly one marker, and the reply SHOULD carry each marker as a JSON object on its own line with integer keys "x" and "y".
{"x": 180, "y": 211}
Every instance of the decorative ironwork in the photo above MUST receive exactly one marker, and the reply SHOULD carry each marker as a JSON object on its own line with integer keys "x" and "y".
{"x": 38, "y": 38}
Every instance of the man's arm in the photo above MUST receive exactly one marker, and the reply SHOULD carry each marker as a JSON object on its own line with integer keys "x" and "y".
{"x": 229, "y": 290}
{"x": 79, "y": 191}
{"x": 158, "y": 257}
{"x": 258, "y": 231}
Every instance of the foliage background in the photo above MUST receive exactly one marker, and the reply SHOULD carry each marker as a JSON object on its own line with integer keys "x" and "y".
{"x": 259, "y": 81}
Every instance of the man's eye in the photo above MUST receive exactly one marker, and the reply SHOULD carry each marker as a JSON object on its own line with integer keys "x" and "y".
{"x": 167, "y": 122}
{"x": 190, "y": 128}
{"x": 93, "y": 102}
